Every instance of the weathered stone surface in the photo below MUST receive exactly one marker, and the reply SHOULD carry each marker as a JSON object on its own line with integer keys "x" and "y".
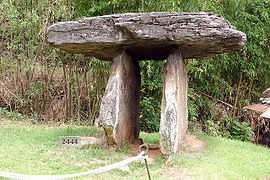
{"x": 119, "y": 111}
{"x": 148, "y": 36}
{"x": 90, "y": 141}
{"x": 174, "y": 112}
{"x": 266, "y": 93}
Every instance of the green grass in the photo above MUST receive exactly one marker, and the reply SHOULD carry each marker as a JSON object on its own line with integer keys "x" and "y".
{"x": 227, "y": 159}
{"x": 35, "y": 150}
{"x": 151, "y": 138}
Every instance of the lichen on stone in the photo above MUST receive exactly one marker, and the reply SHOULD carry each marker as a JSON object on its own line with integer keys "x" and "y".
{"x": 109, "y": 134}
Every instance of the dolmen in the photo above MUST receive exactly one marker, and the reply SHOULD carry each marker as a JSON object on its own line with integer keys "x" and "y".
{"x": 125, "y": 39}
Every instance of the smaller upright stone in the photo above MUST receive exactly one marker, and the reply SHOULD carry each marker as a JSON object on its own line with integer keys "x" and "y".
{"x": 119, "y": 111}
{"x": 174, "y": 111}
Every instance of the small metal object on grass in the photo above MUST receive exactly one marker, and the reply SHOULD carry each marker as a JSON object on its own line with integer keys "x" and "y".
{"x": 145, "y": 157}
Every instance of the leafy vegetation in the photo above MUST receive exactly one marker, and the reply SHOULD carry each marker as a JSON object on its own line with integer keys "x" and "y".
{"x": 53, "y": 86}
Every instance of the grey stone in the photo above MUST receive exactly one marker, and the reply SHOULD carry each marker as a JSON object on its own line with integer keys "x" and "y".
{"x": 119, "y": 110}
{"x": 266, "y": 93}
{"x": 90, "y": 141}
{"x": 148, "y": 36}
{"x": 174, "y": 111}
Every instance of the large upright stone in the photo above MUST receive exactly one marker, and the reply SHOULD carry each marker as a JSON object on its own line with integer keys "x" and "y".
{"x": 174, "y": 111}
{"x": 119, "y": 111}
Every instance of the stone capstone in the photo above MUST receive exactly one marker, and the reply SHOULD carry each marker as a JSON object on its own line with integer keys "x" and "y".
{"x": 174, "y": 111}
{"x": 119, "y": 110}
{"x": 148, "y": 36}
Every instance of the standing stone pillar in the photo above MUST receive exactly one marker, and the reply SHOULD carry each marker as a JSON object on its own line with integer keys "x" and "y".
{"x": 174, "y": 111}
{"x": 119, "y": 111}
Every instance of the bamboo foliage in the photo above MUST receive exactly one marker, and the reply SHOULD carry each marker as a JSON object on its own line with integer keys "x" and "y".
{"x": 50, "y": 85}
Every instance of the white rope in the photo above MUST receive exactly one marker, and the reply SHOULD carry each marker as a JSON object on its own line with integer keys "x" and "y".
{"x": 50, "y": 177}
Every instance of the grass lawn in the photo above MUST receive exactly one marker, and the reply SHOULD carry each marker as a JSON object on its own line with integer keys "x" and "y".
{"x": 29, "y": 149}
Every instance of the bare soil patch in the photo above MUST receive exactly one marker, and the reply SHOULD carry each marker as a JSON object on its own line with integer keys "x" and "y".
{"x": 4, "y": 122}
{"x": 192, "y": 146}
{"x": 193, "y": 143}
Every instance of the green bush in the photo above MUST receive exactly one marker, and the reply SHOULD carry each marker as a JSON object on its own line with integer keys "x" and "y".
{"x": 241, "y": 131}
{"x": 151, "y": 94}
{"x": 229, "y": 127}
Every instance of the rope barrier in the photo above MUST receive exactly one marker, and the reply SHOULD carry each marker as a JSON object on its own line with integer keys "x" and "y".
{"x": 91, "y": 172}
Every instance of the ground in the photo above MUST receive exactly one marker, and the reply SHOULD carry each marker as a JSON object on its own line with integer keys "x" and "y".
{"x": 201, "y": 156}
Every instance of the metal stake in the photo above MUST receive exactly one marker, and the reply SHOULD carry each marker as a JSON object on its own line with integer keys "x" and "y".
{"x": 145, "y": 156}
{"x": 69, "y": 157}
{"x": 149, "y": 177}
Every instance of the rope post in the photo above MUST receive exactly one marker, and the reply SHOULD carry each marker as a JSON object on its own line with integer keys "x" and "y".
{"x": 145, "y": 158}
{"x": 69, "y": 157}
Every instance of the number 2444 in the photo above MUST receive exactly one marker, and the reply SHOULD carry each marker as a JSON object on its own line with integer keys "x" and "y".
{"x": 69, "y": 141}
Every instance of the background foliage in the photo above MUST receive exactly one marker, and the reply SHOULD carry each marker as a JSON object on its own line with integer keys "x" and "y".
{"x": 51, "y": 85}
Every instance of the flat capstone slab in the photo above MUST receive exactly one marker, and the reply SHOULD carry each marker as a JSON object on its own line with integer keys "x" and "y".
{"x": 148, "y": 36}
